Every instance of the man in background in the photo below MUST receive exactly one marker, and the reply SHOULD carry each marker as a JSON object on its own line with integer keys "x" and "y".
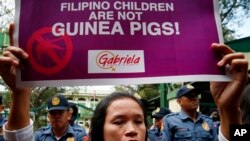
{"x": 2, "y": 119}
{"x": 59, "y": 128}
{"x": 188, "y": 124}
{"x": 74, "y": 110}
{"x": 155, "y": 132}
{"x": 216, "y": 118}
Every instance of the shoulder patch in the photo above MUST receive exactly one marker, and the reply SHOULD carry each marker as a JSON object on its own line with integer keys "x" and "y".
{"x": 79, "y": 130}
{"x": 172, "y": 114}
{"x": 43, "y": 128}
{"x": 205, "y": 116}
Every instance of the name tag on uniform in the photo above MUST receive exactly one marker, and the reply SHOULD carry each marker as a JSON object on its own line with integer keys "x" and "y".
{"x": 181, "y": 129}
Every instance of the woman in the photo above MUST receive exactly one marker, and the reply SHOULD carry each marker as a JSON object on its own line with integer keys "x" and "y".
{"x": 228, "y": 95}
{"x": 119, "y": 117}
{"x": 244, "y": 105}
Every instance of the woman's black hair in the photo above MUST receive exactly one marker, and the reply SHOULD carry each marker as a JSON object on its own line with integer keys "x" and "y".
{"x": 98, "y": 118}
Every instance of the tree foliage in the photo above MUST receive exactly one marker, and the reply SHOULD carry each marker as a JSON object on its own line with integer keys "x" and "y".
{"x": 148, "y": 91}
{"x": 232, "y": 13}
{"x": 145, "y": 91}
{"x": 6, "y": 13}
{"x": 126, "y": 88}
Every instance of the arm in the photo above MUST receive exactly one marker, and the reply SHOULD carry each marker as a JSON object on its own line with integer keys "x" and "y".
{"x": 227, "y": 95}
{"x": 10, "y": 61}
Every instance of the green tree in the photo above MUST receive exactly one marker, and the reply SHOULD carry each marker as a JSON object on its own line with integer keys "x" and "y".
{"x": 7, "y": 8}
{"x": 126, "y": 88}
{"x": 148, "y": 91}
{"x": 232, "y": 13}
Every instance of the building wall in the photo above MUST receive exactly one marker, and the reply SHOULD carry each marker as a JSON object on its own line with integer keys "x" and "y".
{"x": 4, "y": 40}
{"x": 174, "y": 106}
{"x": 86, "y": 100}
{"x": 241, "y": 45}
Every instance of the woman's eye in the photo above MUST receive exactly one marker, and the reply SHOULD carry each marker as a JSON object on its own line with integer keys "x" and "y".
{"x": 138, "y": 121}
{"x": 118, "y": 122}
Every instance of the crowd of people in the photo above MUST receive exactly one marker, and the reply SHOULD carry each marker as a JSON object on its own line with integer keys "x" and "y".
{"x": 121, "y": 116}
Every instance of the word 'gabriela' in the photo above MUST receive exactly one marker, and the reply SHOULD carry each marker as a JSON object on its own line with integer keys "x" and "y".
{"x": 117, "y": 5}
{"x": 108, "y": 59}
{"x": 115, "y": 28}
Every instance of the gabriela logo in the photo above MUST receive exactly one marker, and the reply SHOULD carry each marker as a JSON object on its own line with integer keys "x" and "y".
{"x": 116, "y": 61}
{"x": 111, "y": 60}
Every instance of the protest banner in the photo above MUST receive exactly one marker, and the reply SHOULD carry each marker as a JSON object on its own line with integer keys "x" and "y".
{"x": 79, "y": 42}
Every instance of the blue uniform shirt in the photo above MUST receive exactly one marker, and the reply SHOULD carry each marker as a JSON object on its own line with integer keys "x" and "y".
{"x": 72, "y": 134}
{"x": 79, "y": 127}
{"x": 2, "y": 121}
{"x": 154, "y": 134}
{"x": 180, "y": 127}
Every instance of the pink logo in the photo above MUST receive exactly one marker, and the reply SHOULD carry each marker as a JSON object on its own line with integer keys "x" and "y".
{"x": 49, "y": 54}
{"x": 110, "y": 60}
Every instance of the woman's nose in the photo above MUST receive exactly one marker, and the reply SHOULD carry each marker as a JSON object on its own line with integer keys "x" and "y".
{"x": 131, "y": 129}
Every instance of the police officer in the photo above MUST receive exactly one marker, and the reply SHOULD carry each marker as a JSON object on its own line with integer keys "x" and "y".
{"x": 155, "y": 132}
{"x": 2, "y": 119}
{"x": 74, "y": 110}
{"x": 59, "y": 128}
{"x": 188, "y": 124}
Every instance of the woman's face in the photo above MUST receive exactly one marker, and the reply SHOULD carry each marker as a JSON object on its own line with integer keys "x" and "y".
{"x": 124, "y": 121}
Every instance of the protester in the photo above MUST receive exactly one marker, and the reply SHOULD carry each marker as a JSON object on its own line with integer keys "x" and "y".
{"x": 227, "y": 95}
{"x": 245, "y": 105}
{"x": 240, "y": 108}
{"x": 2, "y": 118}
{"x": 59, "y": 129}
{"x": 118, "y": 117}
{"x": 155, "y": 131}
{"x": 188, "y": 124}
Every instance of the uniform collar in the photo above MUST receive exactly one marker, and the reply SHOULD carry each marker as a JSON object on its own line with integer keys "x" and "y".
{"x": 184, "y": 116}
{"x": 69, "y": 130}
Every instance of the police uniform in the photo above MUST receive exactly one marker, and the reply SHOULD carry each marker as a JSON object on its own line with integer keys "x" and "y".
{"x": 59, "y": 102}
{"x": 2, "y": 121}
{"x": 74, "y": 109}
{"x": 72, "y": 134}
{"x": 180, "y": 127}
{"x": 155, "y": 134}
